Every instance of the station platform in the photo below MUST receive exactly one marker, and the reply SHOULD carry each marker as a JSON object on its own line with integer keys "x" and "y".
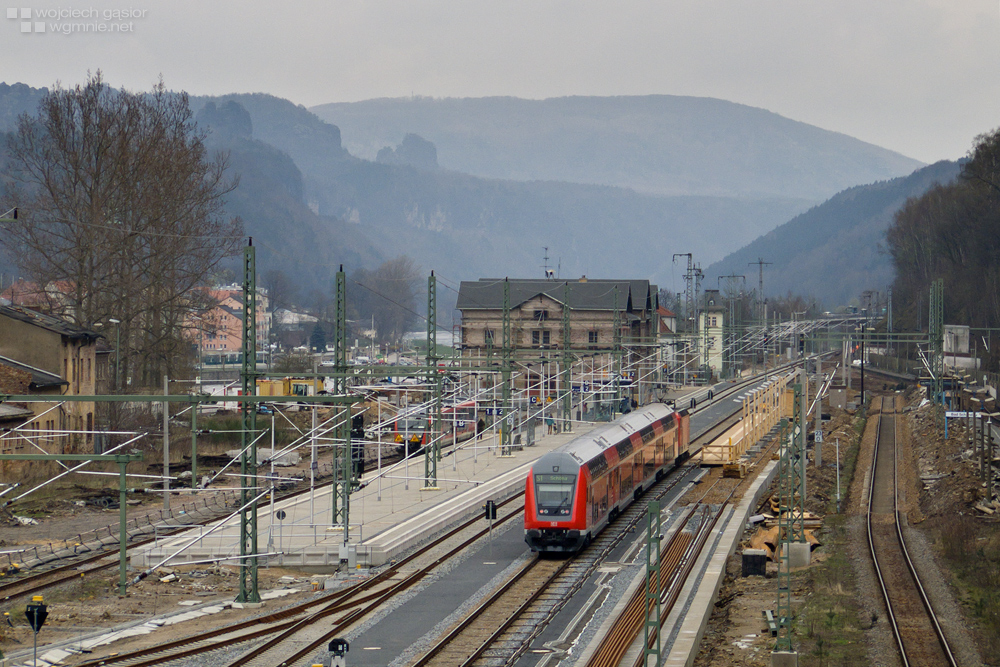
{"x": 389, "y": 515}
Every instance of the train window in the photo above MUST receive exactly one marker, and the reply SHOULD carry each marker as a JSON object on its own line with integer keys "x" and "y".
{"x": 554, "y": 494}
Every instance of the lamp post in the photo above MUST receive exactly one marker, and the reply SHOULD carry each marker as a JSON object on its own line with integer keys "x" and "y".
{"x": 117, "y": 348}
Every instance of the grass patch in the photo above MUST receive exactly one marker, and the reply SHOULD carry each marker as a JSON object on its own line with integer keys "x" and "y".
{"x": 971, "y": 549}
{"x": 827, "y": 629}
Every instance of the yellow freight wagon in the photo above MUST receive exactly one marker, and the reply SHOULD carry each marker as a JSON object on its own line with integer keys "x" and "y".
{"x": 289, "y": 387}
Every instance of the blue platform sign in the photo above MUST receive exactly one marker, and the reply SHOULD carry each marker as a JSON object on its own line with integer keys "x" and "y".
{"x": 494, "y": 412}
{"x": 534, "y": 400}
{"x": 586, "y": 386}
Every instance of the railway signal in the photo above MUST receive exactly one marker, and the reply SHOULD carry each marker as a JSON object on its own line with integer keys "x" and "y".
{"x": 36, "y": 612}
{"x": 338, "y": 652}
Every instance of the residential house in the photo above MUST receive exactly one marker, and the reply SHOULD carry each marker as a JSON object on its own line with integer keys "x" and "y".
{"x": 62, "y": 360}
{"x": 293, "y": 329}
{"x": 218, "y": 331}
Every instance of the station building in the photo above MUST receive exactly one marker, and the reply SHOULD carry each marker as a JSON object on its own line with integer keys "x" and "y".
{"x": 538, "y": 347}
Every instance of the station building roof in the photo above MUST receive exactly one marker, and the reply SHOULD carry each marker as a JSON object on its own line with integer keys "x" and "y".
{"x": 584, "y": 294}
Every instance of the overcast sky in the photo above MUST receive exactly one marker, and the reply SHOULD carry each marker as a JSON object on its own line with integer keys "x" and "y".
{"x": 921, "y": 77}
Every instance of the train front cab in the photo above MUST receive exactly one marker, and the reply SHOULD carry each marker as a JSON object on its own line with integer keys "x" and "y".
{"x": 555, "y": 505}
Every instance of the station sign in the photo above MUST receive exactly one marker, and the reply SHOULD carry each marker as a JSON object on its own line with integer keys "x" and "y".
{"x": 961, "y": 414}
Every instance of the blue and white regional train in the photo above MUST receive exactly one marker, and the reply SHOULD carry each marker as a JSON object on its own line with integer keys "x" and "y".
{"x": 576, "y": 489}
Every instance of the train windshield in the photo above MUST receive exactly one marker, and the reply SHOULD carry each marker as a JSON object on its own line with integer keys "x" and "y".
{"x": 412, "y": 425}
{"x": 554, "y": 494}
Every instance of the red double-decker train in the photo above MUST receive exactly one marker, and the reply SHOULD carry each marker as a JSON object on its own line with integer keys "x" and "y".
{"x": 573, "y": 491}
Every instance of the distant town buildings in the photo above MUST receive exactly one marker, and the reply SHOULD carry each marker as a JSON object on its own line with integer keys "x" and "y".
{"x": 218, "y": 331}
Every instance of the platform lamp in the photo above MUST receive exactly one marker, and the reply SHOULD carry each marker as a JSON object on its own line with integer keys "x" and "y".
{"x": 118, "y": 339}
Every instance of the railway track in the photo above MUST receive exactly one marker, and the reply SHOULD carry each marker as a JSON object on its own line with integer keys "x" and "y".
{"x": 501, "y": 628}
{"x": 74, "y": 567}
{"x": 677, "y": 562}
{"x": 472, "y": 637}
{"x": 292, "y": 635}
{"x": 914, "y": 623}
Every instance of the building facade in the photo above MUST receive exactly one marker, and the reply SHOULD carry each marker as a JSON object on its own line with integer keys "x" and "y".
{"x": 61, "y": 360}
{"x": 712, "y": 326}
{"x": 218, "y": 331}
{"x": 538, "y": 345}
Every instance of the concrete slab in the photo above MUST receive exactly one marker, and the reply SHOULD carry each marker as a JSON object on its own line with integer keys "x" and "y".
{"x": 799, "y": 554}
{"x": 785, "y": 659}
{"x": 55, "y": 656}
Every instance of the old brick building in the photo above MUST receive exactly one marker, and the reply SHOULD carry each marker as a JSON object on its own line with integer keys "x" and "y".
{"x": 61, "y": 360}
{"x": 537, "y": 308}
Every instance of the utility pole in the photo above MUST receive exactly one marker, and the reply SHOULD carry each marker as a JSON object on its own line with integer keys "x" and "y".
{"x": 506, "y": 437}
{"x": 432, "y": 452}
{"x": 249, "y": 592}
{"x": 889, "y": 310}
{"x": 652, "y": 603}
{"x": 617, "y": 367}
{"x": 567, "y": 363}
{"x": 936, "y": 334}
{"x": 343, "y": 470}
{"x": 760, "y": 288}
{"x": 118, "y": 340}
{"x": 732, "y": 330}
{"x": 166, "y": 444}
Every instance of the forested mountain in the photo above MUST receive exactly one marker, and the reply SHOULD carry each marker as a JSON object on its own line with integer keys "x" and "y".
{"x": 952, "y": 233}
{"x": 458, "y": 224}
{"x": 15, "y": 100}
{"x": 660, "y": 144}
{"x": 311, "y": 205}
{"x": 836, "y": 250}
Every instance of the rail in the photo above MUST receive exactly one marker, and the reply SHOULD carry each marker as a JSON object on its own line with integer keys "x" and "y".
{"x": 902, "y": 618}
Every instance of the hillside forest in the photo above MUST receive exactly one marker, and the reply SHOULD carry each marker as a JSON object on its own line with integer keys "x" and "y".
{"x": 950, "y": 232}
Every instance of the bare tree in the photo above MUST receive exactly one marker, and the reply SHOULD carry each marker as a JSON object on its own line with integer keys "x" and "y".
{"x": 281, "y": 291}
{"x": 121, "y": 211}
{"x": 951, "y": 232}
{"x": 388, "y": 294}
